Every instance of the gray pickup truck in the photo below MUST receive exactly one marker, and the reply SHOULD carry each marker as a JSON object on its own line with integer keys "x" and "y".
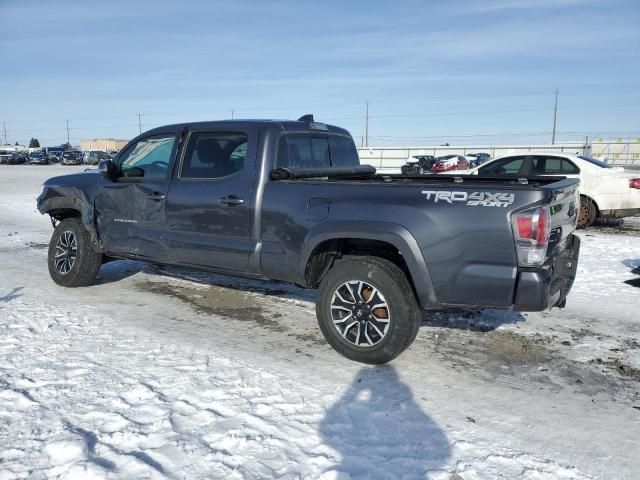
{"x": 289, "y": 200}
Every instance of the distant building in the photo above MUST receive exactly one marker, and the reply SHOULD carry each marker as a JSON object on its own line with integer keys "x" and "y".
{"x": 12, "y": 148}
{"x": 104, "y": 144}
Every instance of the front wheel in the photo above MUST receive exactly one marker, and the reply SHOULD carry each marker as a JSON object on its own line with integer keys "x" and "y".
{"x": 72, "y": 260}
{"x": 366, "y": 309}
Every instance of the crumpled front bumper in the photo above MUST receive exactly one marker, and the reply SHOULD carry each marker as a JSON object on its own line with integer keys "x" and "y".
{"x": 548, "y": 286}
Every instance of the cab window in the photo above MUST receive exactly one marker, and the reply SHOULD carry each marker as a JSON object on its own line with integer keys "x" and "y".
{"x": 315, "y": 151}
{"x": 303, "y": 151}
{"x": 343, "y": 152}
{"x": 214, "y": 155}
{"x": 148, "y": 158}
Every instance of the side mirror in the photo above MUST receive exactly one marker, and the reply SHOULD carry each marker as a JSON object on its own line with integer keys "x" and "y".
{"x": 108, "y": 169}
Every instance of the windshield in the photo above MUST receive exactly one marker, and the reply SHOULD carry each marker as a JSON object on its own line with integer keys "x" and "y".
{"x": 37, "y": 154}
{"x": 595, "y": 161}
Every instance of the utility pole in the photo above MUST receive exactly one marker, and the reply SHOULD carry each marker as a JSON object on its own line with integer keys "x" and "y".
{"x": 585, "y": 150}
{"x": 68, "y": 143}
{"x": 555, "y": 119}
{"x": 366, "y": 126}
{"x": 232, "y": 114}
{"x": 4, "y": 126}
{"x": 139, "y": 124}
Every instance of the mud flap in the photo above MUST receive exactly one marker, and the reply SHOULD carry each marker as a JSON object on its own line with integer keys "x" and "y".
{"x": 565, "y": 268}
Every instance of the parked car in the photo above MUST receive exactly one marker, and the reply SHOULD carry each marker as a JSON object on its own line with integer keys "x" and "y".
{"x": 421, "y": 164}
{"x": 448, "y": 163}
{"x": 477, "y": 159}
{"x": 38, "y": 157}
{"x": 288, "y": 200}
{"x": 72, "y": 157}
{"x": 54, "y": 154}
{"x": 605, "y": 191}
{"x": 93, "y": 157}
{"x": 8, "y": 158}
{"x": 20, "y": 157}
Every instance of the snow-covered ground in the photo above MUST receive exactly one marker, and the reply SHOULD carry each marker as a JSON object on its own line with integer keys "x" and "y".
{"x": 170, "y": 373}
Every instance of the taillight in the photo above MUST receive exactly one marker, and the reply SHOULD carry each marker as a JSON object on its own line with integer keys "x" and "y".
{"x": 531, "y": 230}
{"x": 634, "y": 183}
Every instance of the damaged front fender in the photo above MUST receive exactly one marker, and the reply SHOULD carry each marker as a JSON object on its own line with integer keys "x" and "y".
{"x": 71, "y": 195}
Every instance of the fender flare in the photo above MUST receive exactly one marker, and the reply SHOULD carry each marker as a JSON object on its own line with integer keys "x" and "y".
{"x": 83, "y": 207}
{"x": 391, "y": 233}
{"x": 60, "y": 203}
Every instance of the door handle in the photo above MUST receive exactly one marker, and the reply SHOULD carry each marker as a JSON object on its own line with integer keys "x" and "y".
{"x": 156, "y": 196}
{"x": 231, "y": 200}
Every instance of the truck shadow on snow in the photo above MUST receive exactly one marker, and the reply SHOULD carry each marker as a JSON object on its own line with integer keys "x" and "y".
{"x": 381, "y": 432}
{"x": 117, "y": 270}
{"x": 634, "y": 265}
{"x": 12, "y": 295}
{"x": 476, "y": 320}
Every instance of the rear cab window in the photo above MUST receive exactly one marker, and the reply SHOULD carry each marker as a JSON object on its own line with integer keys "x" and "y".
{"x": 311, "y": 150}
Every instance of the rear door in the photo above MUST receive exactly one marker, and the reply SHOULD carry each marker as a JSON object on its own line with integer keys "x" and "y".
{"x": 210, "y": 201}
{"x": 130, "y": 211}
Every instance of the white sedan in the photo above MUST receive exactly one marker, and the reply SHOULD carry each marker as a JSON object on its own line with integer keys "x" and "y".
{"x": 605, "y": 191}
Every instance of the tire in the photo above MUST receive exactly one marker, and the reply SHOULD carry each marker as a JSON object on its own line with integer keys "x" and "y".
{"x": 367, "y": 340}
{"x": 77, "y": 263}
{"x": 588, "y": 212}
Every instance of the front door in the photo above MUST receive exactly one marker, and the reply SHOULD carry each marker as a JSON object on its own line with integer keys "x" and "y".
{"x": 210, "y": 201}
{"x": 131, "y": 210}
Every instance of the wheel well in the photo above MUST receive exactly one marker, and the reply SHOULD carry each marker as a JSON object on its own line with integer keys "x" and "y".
{"x": 594, "y": 203}
{"x": 324, "y": 254}
{"x": 60, "y": 214}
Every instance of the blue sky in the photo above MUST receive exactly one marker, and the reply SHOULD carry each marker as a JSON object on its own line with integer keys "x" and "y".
{"x": 433, "y": 71}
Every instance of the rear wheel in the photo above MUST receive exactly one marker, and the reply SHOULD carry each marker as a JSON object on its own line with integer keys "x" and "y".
{"x": 366, "y": 309}
{"x": 588, "y": 212}
{"x": 72, "y": 260}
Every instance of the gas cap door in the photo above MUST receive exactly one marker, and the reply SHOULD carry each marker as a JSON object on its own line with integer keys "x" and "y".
{"x": 317, "y": 209}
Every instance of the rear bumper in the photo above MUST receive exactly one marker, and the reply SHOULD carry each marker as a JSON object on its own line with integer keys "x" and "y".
{"x": 548, "y": 286}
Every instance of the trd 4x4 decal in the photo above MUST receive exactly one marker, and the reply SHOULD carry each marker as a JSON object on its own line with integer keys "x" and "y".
{"x": 478, "y": 199}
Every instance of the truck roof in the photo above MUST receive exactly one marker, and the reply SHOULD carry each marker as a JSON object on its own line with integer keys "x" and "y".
{"x": 283, "y": 125}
